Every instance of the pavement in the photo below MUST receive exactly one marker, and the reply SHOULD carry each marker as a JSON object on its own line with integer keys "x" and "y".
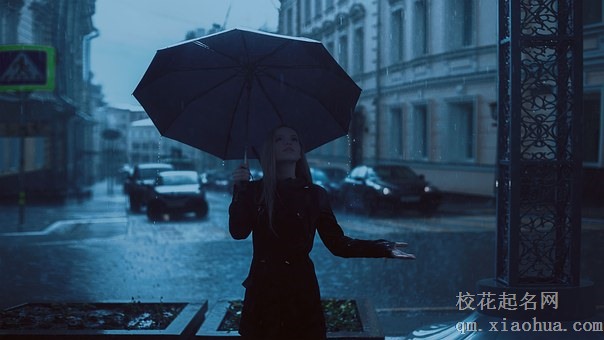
{"x": 455, "y": 250}
{"x": 108, "y": 201}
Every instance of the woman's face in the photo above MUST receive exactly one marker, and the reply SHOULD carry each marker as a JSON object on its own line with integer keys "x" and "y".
{"x": 286, "y": 145}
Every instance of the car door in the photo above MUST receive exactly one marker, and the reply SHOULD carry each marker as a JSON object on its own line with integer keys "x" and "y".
{"x": 353, "y": 188}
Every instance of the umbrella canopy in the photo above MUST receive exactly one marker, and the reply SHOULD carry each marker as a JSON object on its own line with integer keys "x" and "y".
{"x": 224, "y": 92}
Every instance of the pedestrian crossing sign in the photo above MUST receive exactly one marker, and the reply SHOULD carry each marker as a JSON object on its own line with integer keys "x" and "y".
{"x": 27, "y": 68}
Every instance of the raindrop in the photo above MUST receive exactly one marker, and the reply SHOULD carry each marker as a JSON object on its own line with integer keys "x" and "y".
{"x": 159, "y": 143}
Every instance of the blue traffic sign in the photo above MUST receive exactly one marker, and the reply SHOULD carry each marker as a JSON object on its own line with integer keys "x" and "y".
{"x": 27, "y": 68}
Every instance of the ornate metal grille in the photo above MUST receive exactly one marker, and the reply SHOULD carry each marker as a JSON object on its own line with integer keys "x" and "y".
{"x": 539, "y": 150}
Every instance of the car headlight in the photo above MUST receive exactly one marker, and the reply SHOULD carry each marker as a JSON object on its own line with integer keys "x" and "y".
{"x": 386, "y": 191}
{"x": 429, "y": 188}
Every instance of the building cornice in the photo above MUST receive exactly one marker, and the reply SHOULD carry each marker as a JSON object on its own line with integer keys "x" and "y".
{"x": 340, "y": 21}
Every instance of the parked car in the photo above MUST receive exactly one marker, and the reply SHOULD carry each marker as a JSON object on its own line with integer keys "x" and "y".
{"x": 176, "y": 192}
{"x": 336, "y": 176}
{"x": 217, "y": 179}
{"x": 124, "y": 173}
{"x": 335, "y": 173}
{"x": 140, "y": 181}
{"x": 392, "y": 186}
{"x": 319, "y": 177}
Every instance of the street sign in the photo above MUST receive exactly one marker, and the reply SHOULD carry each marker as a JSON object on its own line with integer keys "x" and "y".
{"x": 27, "y": 68}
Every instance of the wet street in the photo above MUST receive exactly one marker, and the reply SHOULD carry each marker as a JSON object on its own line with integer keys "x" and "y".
{"x": 100, "y": 252}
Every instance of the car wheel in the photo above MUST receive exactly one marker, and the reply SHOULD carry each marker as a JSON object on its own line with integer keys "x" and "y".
{"x": 348, "y": 203}
{"x": 154, "y": 211}
{"x": 201, "y": 210}
{"x": 135, "y": 203}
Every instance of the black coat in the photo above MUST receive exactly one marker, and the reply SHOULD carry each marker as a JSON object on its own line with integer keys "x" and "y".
{"x": 282, "y": 298}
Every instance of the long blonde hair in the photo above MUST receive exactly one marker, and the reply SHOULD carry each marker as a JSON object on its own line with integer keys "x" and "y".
{"x": 269, "y": 169}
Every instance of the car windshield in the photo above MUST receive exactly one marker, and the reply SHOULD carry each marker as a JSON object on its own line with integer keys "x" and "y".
{"x": 395, "y": 172}
{"x": 149, "y": 173}
{"x": 334, "y": 173}
{"x": 179, "y": 179}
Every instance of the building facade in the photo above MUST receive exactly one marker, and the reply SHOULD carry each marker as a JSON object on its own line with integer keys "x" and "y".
{"x": 146, "y": 145}
{"x": 128, "y": 137}
{"x": 46, "y": 139}
{"x": 428, "y": 70}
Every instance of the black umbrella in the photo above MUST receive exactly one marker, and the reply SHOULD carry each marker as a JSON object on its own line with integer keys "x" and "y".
{"x": 224, "y": 92}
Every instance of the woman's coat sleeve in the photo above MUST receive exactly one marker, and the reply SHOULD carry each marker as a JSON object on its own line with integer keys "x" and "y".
{"x": 333, "y": 236}
{"x": 242, "y": 211}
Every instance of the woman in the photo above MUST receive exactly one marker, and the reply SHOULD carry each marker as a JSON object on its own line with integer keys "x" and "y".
{"x": 282, "y": 211}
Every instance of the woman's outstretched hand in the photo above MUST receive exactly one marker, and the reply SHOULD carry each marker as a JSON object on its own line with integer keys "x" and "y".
{"x": 395, "y": 250}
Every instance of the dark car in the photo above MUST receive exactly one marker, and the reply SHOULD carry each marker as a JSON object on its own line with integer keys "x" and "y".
{"x": 217, "y": 180}
{"x": 334, "y": 173}
{"x": 388, "y": 186}
{"x": 142, "y": 178}
{"x": 176, "y": 192}
{"x": 336, "y": 176}
{"x": 332, "y": 187}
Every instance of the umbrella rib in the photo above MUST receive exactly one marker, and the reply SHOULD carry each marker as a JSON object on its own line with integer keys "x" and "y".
{"x": 201, "y": 68}
{"x": 275, "y": 50}
{"x": 199, "y": 95}
{"x": 269, "y": 98}
{"x": 301, "y": 90}
{"x": 230, "y": 57}
{"x": 294, "y": 67}
{"x": 232, "y": 120}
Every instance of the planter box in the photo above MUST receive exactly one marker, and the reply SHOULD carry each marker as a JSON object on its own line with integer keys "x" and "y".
{"x": 370, "y": 328}
{"x": 80, "y": 320}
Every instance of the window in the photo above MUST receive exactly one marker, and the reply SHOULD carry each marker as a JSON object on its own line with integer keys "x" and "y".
{"x": 289, "y": 18}
{"x": 396, "y": 36}
{"x": 419, "y": 133}
{"x": 592, "y": 11}
{"x": 467, "y": 27}
{"x": 40, "y": 152}
{"x": 9, "y": 158}
{"x": 340, "y": 146}
{"x": 592, "y": 113}
{"x": 461, "y": 23}
{"x": 318, "y": 7}
{"x": 328, "y": 4}
{"x": 420, "y": 35}
{"x": 358, "y": 52}
{"x": 396, "y": 134}
{"x": 11, "y": 153}
{"x": 307, "y": 11}
{"x": 330, "y": 46}
{"x": 461, "y": 132}
{"x": 343, "y": 52}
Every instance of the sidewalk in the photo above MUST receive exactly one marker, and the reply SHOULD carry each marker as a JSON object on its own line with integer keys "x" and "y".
{"x": 105, "y": 202}
{"x": 453, "y": 202}
{"x": 413, "y": 313}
